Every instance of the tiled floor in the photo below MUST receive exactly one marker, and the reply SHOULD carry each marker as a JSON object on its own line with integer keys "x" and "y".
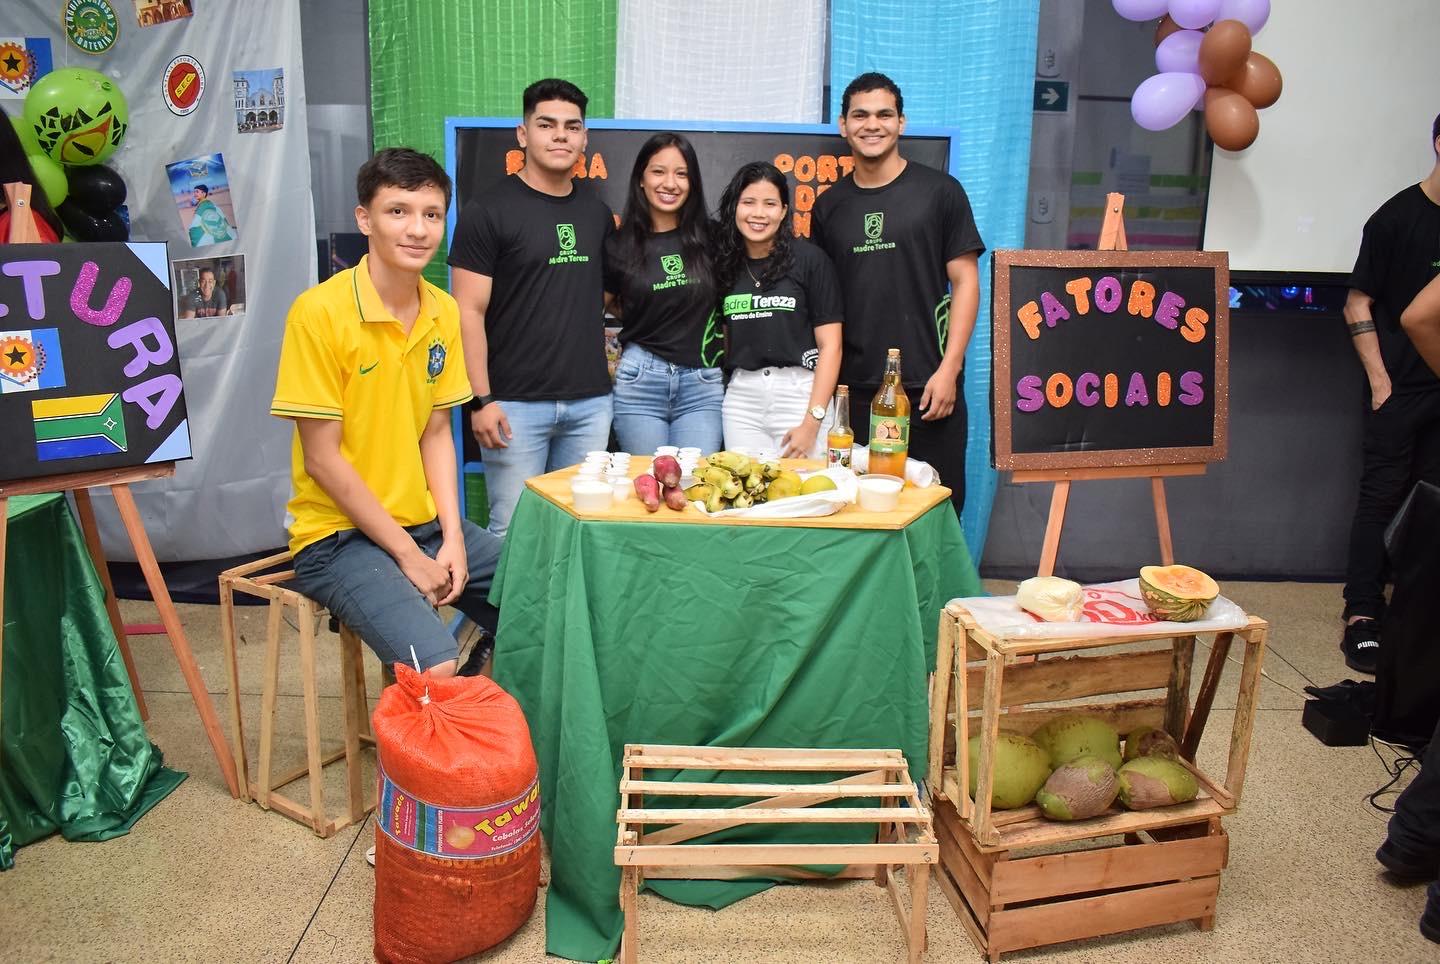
{"x": 206, "y": 878}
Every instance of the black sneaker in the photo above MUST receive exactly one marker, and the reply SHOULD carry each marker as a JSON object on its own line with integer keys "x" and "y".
{"x": 1361, "y": 645}
{"x": 1407, "y": 868}
{"x": 479, "y": 655}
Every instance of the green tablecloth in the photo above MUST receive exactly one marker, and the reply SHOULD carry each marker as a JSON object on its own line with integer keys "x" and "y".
{"x": 75, "y": 755}
{"x": 615, "y": 633}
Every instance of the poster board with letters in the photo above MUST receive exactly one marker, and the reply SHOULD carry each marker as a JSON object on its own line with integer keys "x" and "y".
{"x": 1109, "y": 358}
{"x": 89, "y": 371}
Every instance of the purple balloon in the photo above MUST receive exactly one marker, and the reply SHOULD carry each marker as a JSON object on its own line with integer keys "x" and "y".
{"x": 1162, "y": 100}
{"x": 1252, "y": 13}
{"x": 1194, "y": 14}
{"x": 1179, "y": 52}
{"x": 1141, "y": 9}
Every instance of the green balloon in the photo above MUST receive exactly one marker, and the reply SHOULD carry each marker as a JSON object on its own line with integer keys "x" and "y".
{"x": 77, "y": 116}
{"x": 51, "y": 178}
{"x": 26, "y": 133}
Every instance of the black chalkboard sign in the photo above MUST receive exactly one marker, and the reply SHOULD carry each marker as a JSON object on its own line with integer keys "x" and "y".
{"x": 481, "y": 150}
{"x": 89, "y": 372}
{"x": 1109, "y": 358}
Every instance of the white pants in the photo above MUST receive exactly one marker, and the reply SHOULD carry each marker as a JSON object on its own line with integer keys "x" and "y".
{"x": 761, "y": 406}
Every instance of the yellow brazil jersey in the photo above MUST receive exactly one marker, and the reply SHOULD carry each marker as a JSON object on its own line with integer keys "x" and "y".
{"x": 345, "y": 357}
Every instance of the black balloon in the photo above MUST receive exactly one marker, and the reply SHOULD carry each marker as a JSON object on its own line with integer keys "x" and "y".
{"x": 96, "y": 188}
{"x": 85, "y": 226}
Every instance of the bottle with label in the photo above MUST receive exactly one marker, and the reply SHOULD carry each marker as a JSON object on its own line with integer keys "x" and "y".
{"x": 890, "y": 422}
{"x": 841, "y": 437}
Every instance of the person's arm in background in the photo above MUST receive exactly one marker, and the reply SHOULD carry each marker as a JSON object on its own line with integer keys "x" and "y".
{"x": 327, "y": 465}
{"x": 1421, "y": 321}
{"x": 1359, "y": 310}
{"x": 472, "y": 291}
{"x": 938, "y": 399}
{"x": 799, "y": 442}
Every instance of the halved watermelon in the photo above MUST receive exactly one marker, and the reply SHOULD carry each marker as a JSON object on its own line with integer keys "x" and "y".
{"x": 1177, "y": 593}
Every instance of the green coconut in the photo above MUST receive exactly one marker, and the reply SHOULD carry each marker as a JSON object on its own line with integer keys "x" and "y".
{"x": 1150, "y": 741}
{"x": 1083, "y": 788}
{"x": 1151, "y": 781}
{"x": 1021, "y": 768}
{"x": 1070, "y": 737}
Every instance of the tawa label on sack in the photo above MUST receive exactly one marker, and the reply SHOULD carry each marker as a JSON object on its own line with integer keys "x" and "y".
{"x": 184, "y": 83}
{"x": 457, "y": 833}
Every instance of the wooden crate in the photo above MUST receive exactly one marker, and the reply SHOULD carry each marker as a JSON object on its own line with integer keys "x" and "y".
{"x": 1010, "y": 901}
{"x": 1141, "y": 868}
{"x": 904, "y": 834}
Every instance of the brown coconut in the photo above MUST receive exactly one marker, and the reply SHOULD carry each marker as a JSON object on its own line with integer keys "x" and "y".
{"x": 1083, "y": 788}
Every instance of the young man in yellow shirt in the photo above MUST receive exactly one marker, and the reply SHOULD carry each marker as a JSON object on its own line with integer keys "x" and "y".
{"x": 370, "y": 367}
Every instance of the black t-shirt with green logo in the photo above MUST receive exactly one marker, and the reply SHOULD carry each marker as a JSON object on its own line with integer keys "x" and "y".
{"x": 890, "y": 246}
{"x": 1399, "y": 254}
{"x": 776, "y": 325}
{"x": 663, "y": 307}
{"x": 544, "y": 328}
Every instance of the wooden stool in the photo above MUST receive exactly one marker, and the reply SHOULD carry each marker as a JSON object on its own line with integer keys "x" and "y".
{"x": 357, "y": 711}
{"x": 905, "y": 836}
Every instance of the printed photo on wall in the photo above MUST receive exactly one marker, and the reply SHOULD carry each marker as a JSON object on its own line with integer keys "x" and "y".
{"x": 259, "y": 100}
{"x": 210, "y": 287}
{"x": 23, "y": 60}
{"x": 152, "y": 12}
{"x": 201, "y": 190}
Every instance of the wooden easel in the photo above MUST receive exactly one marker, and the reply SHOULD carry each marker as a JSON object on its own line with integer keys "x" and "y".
{"x": 23, "y": 230}
{"x": 1112, "y": 238}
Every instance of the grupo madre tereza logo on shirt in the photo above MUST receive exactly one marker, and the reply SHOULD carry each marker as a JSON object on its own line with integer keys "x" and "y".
{"x": 745, "y": 307}
{"x": 874, "y": 228}
{"x": 565, "y": 236}
{"x": 674, "y": 267}
{"x": 435, "y": 363}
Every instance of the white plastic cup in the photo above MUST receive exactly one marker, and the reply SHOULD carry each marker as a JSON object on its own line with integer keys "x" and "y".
{"x": 597, "y": 454}
{"x": 667, "y": 450}
{"x": 591, "y": 495}
{"x": 620, "y": 490}
{"x": 591, "y": 469}
{"x": 690, "y": 451}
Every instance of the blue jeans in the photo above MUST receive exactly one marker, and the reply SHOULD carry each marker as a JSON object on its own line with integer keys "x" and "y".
{"x": 365, "y": 589}
{"x": 657, "y": 403}
{"x": 546, "y": 436}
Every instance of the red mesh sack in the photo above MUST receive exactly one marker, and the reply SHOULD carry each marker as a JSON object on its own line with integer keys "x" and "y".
{"x": 457, "y": 849}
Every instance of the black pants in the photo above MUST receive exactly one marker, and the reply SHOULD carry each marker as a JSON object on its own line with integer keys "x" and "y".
{"x": 941, "y": 442}
{"x": 1415, "y": 825}
{"x": 1402, "y": 447}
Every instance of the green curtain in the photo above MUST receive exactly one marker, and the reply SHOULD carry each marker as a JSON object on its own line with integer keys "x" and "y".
{"x": 442, "y": 58}
{"x": 74, "y": 754}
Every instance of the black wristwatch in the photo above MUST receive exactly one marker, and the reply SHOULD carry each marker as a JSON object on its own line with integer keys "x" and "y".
{"x": 480, "y": 401}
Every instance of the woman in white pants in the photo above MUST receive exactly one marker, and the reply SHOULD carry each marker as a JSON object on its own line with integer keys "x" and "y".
{"x": 782, "y": 314}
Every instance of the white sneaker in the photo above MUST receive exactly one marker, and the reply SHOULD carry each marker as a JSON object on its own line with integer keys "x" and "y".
{"x": 370, "y": 856}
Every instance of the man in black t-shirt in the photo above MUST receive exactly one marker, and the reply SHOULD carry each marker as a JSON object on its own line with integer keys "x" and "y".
{"x": 528, "y": 260}
{"x": 205, "y": 300}
{"x": 1399, "y": 255}
{"x": 905, "y": 246}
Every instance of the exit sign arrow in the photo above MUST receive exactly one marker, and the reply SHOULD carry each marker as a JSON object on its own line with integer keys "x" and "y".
{"x": 1052, "y": 96}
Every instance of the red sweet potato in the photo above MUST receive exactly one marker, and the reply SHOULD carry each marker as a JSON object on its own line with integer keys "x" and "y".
{"x": 667, "y": 469}
{"x": 648, "y": 488}
{"x": 675, "y": 498}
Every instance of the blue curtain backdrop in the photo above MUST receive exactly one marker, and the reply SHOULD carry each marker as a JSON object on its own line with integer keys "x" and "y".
{"x": 968, "y": 64}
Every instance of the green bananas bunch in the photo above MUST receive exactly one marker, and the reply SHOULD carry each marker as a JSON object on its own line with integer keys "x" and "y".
{"x": 730, "y": 480}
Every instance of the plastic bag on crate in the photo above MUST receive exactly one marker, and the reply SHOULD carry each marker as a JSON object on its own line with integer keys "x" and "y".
{"x": 457, "y": 849}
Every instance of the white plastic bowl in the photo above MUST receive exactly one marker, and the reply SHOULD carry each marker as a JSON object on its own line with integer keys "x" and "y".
{"x": 591, "y": 495}
{"x": 879, "y": 493}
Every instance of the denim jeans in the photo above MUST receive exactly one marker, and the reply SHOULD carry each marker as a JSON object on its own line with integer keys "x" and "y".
{"x": 762, "y": 405}
{"x": 546, "y": 436}
{"x": 364, "y": 588}
{"x": 657, "y": 403}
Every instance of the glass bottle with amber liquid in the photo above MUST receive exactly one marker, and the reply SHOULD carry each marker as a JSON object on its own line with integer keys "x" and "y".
{"x": 890, "y": 422}
{"x": 841, "y": 437}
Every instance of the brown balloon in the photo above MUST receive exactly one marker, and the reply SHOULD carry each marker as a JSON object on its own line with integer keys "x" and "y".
{"x": 1259, "y": 82}
{"x": 1166, "y": 28}
{"x": 1223, "y": 52}
{"x": 1230, "y": 119}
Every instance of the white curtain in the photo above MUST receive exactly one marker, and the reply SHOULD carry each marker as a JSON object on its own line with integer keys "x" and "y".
{"x": 230, "y": 499}
{"x": 740, "y": 60}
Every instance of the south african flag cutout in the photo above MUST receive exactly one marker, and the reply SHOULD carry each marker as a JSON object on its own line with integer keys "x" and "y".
{"x": 82, "y": 426}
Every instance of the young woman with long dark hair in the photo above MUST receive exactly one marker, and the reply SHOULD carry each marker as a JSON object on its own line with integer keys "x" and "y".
{"x": 782, "y": 311}
{"x": 661, "y": 284}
